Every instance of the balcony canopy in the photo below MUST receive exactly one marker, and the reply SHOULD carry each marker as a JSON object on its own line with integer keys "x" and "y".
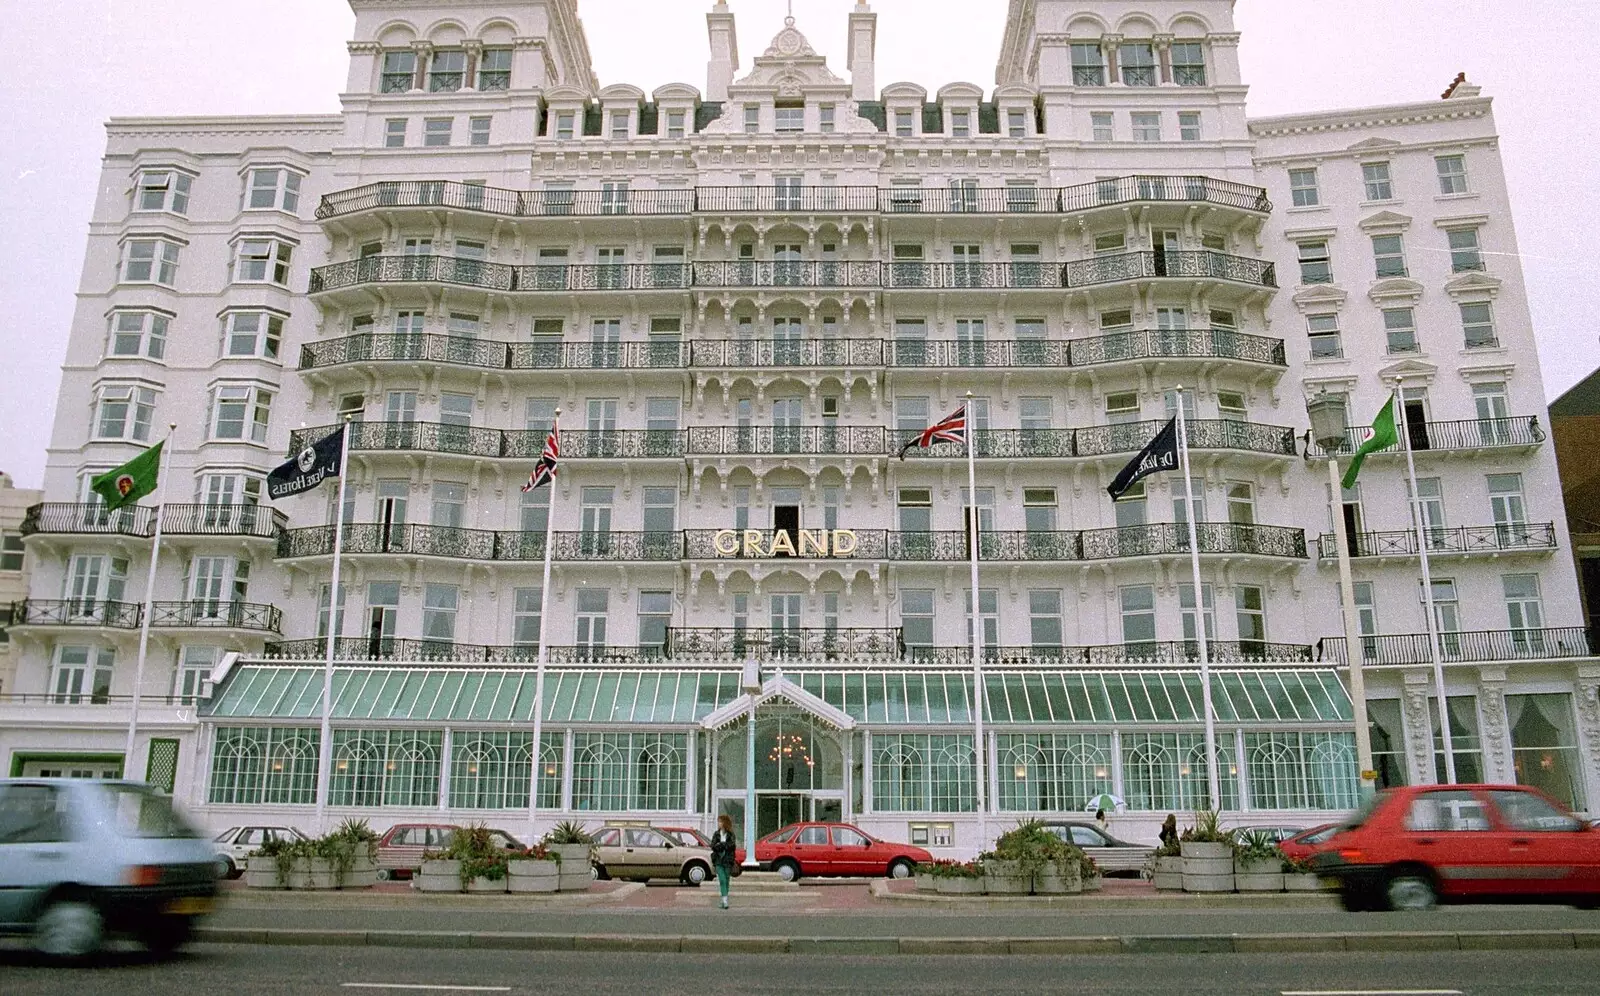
{"x": 887, "y": 697}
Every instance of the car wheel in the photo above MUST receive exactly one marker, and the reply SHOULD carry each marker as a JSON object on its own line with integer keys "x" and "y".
{"x": 166, "y": 934}
{"x": 695, "y": 874}
{"x": 226, "y": 868}
{"x": 787, "y": 870}
{"x": 1410, "y": 890}
{"x": 598, "y": 873}
{"x": 69, "y": 928}
{"x": 384, "y": 875}
{"x": 899, "y": 868}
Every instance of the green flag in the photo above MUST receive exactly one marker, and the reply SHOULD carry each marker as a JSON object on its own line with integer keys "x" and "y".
{"x": 1383, "y": 437}
{"x": 133, "y": 480}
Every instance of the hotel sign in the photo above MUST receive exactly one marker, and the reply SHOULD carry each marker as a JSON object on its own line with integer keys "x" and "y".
{"x": 757, "y": 543}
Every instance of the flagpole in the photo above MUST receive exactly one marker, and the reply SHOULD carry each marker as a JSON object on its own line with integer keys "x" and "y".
{"x": 130, "y": 768}
{"x": 1398, "y": 399}
{"x": 325, "y": 760}
{"x": 979, "y": 749}
{"x": 544, "y": 654}
{"x": 1213, "y": 779}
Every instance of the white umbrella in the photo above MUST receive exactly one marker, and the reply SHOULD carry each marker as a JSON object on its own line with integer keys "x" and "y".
{"x": 1105, "y": 801}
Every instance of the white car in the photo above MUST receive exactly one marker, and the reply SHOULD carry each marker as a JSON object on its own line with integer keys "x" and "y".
{"x": 235, "y": 844}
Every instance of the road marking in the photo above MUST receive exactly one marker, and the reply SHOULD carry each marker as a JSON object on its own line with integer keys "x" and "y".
{"x": 412, "y": 985}
{"x": 1371, "y": 992}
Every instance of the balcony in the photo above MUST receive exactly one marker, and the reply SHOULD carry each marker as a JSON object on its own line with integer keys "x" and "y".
{"x": 1479, "y": 646}
{"x": 1202, "y": 434}
{"x": 1459, "y": 541}
{"x": 361, "y": 648}
{"x": 1166, "y": 264}
{"x": 1004, "y": 444}
{"x": 1201, "y": 344}
{"x": 416, "y": 269}
{"x": 258, "y": 521}
{"x": 724, "y": 643}
{"x": 841, "y": 274}
{"x": 744, "y": 354}
{"x": 515, "y": 444}
{"x": 1463, "y": 436}
{"x": 204, "y": 614}
{"x": 487, "y": 354}
{"x": 452, "y": 542}
{"x": 997, "y": 353}
{"x": 1013, "y": 546}
{"x": 1170, "y": 538}
{"x": 76, "y": 612}
{"x": 564, "y": 203}
{"x": 799, "y": 440}
{"x": 1179, "y": 652}
{"x": 91, "y": 518}
{"x": 906, "y": 275}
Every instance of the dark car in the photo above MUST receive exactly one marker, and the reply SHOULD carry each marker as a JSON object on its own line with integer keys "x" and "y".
{"x": 1114, "y": 857}
{"x": 1411, "y": 848}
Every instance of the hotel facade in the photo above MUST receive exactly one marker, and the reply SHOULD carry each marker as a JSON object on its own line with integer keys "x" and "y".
{"x": 744, "y": 300}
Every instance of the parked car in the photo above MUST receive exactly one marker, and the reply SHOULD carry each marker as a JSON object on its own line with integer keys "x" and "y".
{"x": 1416, "y": 846}
{"x": 1113, "y": 856}
{"x": 1278, "y": 832}
{"x": 638, "y": 854}
{"x": 81, "y": 860}
{"x": 834, "y": 849}
{"x": 1308, "y": 842}
{"x": 235, "y": 844}
{"x": 400, "y": 849}
{"x": 690, "y": 837}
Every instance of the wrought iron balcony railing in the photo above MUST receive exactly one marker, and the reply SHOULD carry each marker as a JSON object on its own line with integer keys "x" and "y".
{"x": 140, "y": 520}
{"x": 799, "y": 440}
{"x": 866, "y": 274}
{"x": 1189, "y": 264}
{"x": 1477, "y": 645}
{"x": 76, "y": 612}
{"x": 1202, "y": 434}
{"x": 1220, "y": 343}
{"x": 913, "y": 353}
{"x": 208, "y": 614}
{"x": 480, "y": 544}
{"x": 259, "y": 521}
{"x": 563, "y": 203}
{"x": 413, "y": 269}
{"x": 561, "y": 278}
{"x": 1012, "y": 444}
{"x": 1014, "y": 545}
{"x": 901, "y": 275}
{"x": 1465, "y": 434}
{"x": 1160, "y": 538}
{"x": 1138, "y": 654}
{"x": 702, "y": 544}
{"x": 488, "y": 354}
{"x": 526, "y": 444}
{"x": 747, "y": 353}
{"x": 728, "y": 643}
{"x": 1448, "y": 541}
{"x": 414, "y": 651}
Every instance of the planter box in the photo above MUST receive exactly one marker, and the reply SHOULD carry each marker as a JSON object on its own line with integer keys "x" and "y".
{"x": 572, "y": 853}
{"x": 576, "y": 872}
{"x": 1207, "y": 867}
{"x": 486, "y": 885}
{"x": 261, "y": 873}
{"x": 1093, "y": 883}
{"x": 363, "y": 874}
{"x": 1051, "y": 882}
{"x": 1169, "y": 873}
{"x": 438, "y": 876}
{"x": 926, "y": 882}
{"x": 959, "y": 886}
{"x": 1301, "y": 882}
{"x": 1260, "y": 875}
{"x": 532, "y": 876}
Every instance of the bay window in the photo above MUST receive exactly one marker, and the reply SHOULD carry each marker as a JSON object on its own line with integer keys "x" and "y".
{"x": 150, "y": 261}
{"x": 139, "y": 333}
{"x": 273, "y": 189}
{"x": 263, "y": 261}
{"x": 253, "y": 333}
{"x": 241, "y": 412}
{"x": 163, "y": 190}
{"x": 125, "y": 412}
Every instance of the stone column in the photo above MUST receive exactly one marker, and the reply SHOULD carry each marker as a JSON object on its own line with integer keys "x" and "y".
{"x": 1493, "y": 731}
{"x": 1586, "y": 696}
{"x": 1110, "y": 44}
{"x": 424, "y": 52}
{"x": 1163, "y": 46}
{"x": 1418, "y": 729}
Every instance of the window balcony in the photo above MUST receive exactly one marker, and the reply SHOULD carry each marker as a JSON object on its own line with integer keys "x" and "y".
{"x": 1172, "y": 538}
{"x": 76, "y": 612}
{"x": 457, "y": 543}
{"x": 249, "y": 521}
{"x": 90, "y": 518}
{"x": 762, "y": 643}
{"x": 1004, "y": 444}
{"x": 1202, "y": 434}
{"x": 1030, "y": 275}
{"x": 1479, "y": 646}
{"x": 1463, "y": 436}
{"x": 840, "y": 274}
{"x": 743, "y": 354}
{"x": 798, "y": 440}
{"x": 977, "y": 353}
{"x": 207, "y": 614}
{"x": 1008, "y": 546}
{"x": 572, "y": 277}
{"x": 455, "y": 271}
{"x": 1459, "y": 541}
{"x": 1200, "y": 344}
{"x": 1169, "y": 264}
{"x": 669, "y": 354}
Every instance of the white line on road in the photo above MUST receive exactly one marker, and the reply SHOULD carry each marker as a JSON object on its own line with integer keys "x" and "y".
{"x": 412, "y": 985}
{"x": 1371, "y": 992}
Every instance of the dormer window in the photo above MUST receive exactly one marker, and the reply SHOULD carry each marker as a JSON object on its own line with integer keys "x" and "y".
{"x": 791, "y": 117}
{"x": 163, "y": 190}
{"x": 566, "y": 122}
{"x": 1138, "y": 64}
{"x": 825, "y": 115}
{"x": 675, "y": 124}
{"x": 960, "y": 124}
{"x": 494, "y": 69}
{"x": 1017, "y": 123}
{"x": 752, "y": 118}
{"x": 448, "y": 71}
{"x": 619, "y": 124}
{"x": 399, "y": 71}
{"x": 904, "y": 124}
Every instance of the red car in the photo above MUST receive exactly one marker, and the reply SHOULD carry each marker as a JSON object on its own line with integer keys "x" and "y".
{"x": 1304, "y": 844}
{"x": 1413, "y": 847}
{"x": 690, "y": 837}
{"x": 834, "y": 849}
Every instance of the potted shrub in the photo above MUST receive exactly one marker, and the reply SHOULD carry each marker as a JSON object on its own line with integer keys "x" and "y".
{"x": 1030, "y": 858}
{"x": 484, "y": 872}
{"x": 534, "y": 869}
{"x": 355, "y": 853}
{"x": 268, "y": 866}
{"x": 573, "y": 847}
{"x": 1089, "y": 873}
{"x": 440, "y": 872}
{"x": 1298, "y": 876}
{"x": 1207, "y": 852}
{"x": 959, "y": 878}
{"x": 923, "y": 876}
{"x": 1257, "y": 863}
{"x": 1165, "y": 867}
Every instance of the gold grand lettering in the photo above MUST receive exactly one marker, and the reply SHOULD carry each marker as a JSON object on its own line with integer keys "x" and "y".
{"x": 813, "y": 542}
{"x": 726, "y": 542}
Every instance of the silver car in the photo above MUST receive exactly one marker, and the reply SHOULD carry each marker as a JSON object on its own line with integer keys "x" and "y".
{"x": 80, "y": 860}
{"x": 235, "y": 844}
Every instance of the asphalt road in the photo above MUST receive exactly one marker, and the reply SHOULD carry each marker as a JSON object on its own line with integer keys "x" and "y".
{"x": 256, "y": 971}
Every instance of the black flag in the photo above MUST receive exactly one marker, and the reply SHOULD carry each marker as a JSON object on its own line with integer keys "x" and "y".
{"x": 308, "y": 467}
{"x": 1161, "y": 453}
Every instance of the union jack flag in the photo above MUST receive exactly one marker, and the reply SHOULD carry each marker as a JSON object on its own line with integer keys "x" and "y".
{"x": 545, "y": 470}
{"x": 950, "y": 429}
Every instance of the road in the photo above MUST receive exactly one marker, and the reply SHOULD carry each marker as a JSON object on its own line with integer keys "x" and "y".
{"x": 258, "y": 971}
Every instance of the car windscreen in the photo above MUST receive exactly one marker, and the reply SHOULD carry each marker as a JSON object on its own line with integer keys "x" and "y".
{"x": 1364, "y": 814}
{"x": 139, "y": 812}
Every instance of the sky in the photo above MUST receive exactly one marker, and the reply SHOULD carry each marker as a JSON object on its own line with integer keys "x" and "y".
{"x": 71, "y": 64}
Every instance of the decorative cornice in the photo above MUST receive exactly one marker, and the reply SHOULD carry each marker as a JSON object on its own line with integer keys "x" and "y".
{"x": 363, "y": 47}
{"x": 1456, "y": 109}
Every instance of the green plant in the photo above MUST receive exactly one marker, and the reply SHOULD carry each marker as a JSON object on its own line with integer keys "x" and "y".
{"x": 1297, "y": 866}
{"x": 362, "y": 838}
{"x": 538, "y": 852}
{"x": 1257, "y": 845}
{"x": 568, "y": 832}
{"x": 473, "y": 845}
{"x": 490, "y": 867}
{"x": 1034, "y": 846}
{"x": 945, "y": 868}
{"x": 1207, "y": 829}
{"x": 1169, "y": 849}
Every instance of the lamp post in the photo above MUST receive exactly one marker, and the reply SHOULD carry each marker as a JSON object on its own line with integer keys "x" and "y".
{"x": 1328, "y": 421}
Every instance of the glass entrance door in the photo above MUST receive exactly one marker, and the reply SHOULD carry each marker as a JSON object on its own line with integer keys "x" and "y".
{"x": 776, "y": 810}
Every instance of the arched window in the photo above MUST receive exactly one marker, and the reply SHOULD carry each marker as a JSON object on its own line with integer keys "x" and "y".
{"x": 1274, "y": 771}
{"x": 236, "y": 768}
{"x": 291, "y": 775}
{"x": 357, "y": 776}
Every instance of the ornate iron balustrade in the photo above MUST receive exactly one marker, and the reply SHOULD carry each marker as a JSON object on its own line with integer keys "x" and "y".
{"x": 775, "y": 200}
{"x": 1162, "y": 538}
{"x": 1018, "y": 444}
{"x": 76, "y": 612}
{"x": 1219, "y": 344}
{"x": 88, "y": 517}
{"x": 488, "y": 354}
{"x": 726, "y": 643}
{"x": 668, "y": 354}
{"x": 592, "y": 546}
{"x": 748, "y": 353}
{"x": 480, "y": 544}
{"x": 519, "y": 444}
{"x": 982, "y": 353}
{"x": 789, "y": 273}
{"x": 208, "y": 614}
{"x": 1477, "y": 645}
{"x": 1014, "y": 545}
{"x": 1142, "y": 654}
{"x": 1465, "y": 434}
{"x": 1445, "y": 541}
{"x": 567, "y": 277}
{"x": 411, "y": 270}
{"x": 902, "y": 275}
{"x": 701, "y": 544}
{"x": 800, "y": 440}
{"x": 411, "y": 651}
{"x": 222, "y": 520}
{"x": 1202, "y": 434}
{"x": 1203, "y": 264}
{"x": 599, "y": 444}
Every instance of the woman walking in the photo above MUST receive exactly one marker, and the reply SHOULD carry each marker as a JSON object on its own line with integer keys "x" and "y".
{"x": 723, "y": 854}
{"x": 1169, "y": 831}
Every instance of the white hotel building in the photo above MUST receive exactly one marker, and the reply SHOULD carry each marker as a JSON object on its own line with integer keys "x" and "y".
{"x": 741, "y": 298}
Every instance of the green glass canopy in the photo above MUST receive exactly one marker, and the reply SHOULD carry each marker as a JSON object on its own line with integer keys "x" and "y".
{"x": 888, "y": 697}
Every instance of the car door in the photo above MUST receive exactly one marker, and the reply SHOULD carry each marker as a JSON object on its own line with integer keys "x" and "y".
{"x": 35, "y": 846}
{"x": 609, "y": 852}
{"x": 813, "y": 850}
{"x": 1547, "y": 850}
{"x": 854, "y": 853}
{"x": 649, "y": 853}
{"x": 1451, "y": 830}
{"x": 248, "y": 840}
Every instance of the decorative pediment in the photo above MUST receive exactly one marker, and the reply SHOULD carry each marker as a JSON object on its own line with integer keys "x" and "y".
{"x": 1373, "y": 144}
{"x": 788, "y": 43}
{"x": 1319, "y": 297}
{"x": 789, "y": 66}
{"x": 1473, "y": 283}
{"x": 1411, "y": 370}
{"x": 1395, "y": 290}
{"x": 778, "y": 688}
{"x": 1392, "y": 220}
